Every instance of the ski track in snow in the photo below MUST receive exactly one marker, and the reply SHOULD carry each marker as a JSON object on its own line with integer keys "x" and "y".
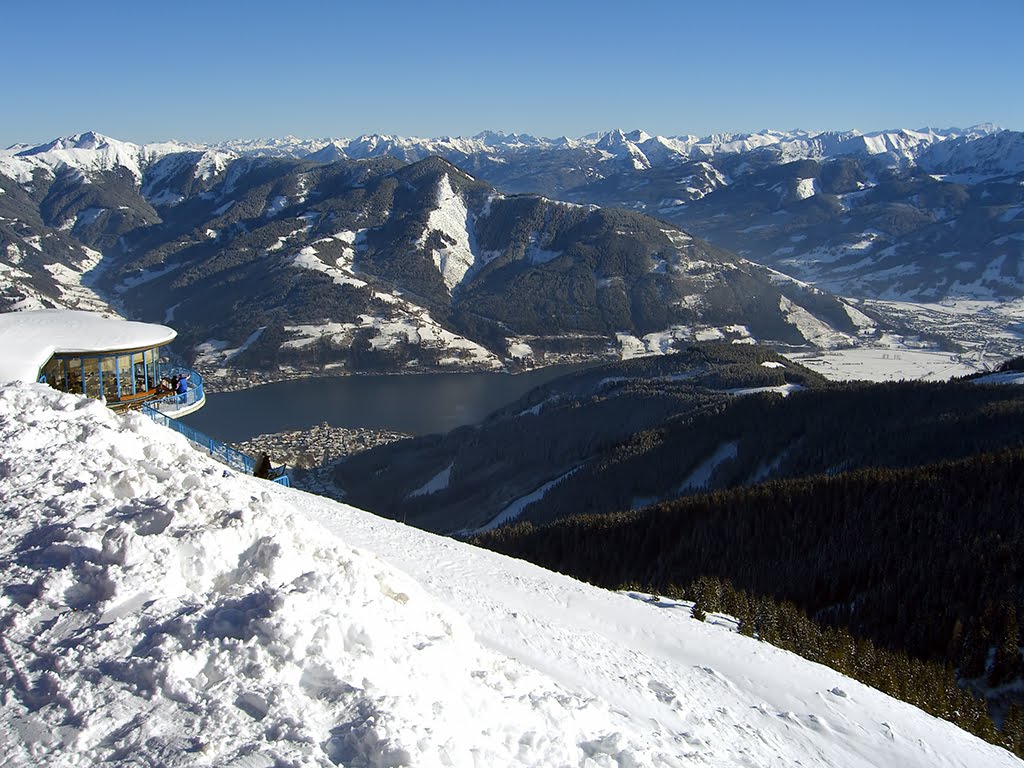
{"x": 160, "y": 610}
{"x": 701, "y": 475}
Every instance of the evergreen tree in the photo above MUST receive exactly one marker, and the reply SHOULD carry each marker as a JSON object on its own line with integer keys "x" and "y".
{"x": 1012, "y": 733}
{"x": 697, "y": 611}
{"x": 745, "y": 614}
{"x": 1006, "y": 662}
{"x": 974, "y": 651}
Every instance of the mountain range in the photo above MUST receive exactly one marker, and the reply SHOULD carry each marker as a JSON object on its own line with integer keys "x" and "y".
{"x": 265, "y": 262}
{"x": 386, "y": 252}
{"x": 921, "y": 215}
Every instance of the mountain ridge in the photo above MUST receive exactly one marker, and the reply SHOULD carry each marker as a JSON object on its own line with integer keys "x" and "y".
{"x": 893, "y": 215}
{"x": 268, "y": 261}
{"x": 369, "y": 145}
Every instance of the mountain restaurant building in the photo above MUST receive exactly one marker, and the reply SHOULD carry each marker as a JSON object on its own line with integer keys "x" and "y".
{"x": 114, "y": 360}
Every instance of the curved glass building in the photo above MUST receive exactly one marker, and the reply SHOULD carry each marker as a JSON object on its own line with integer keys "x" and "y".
{"x": 114, "y": 360}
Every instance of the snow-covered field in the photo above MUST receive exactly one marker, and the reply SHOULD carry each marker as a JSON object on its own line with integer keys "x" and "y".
{"x": 885, "y": 364}
{"x": 158, "y": 609}
{"x": 987, "y": 332}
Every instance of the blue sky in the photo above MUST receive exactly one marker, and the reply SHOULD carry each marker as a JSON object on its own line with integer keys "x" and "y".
{"x": 150, "y": 70}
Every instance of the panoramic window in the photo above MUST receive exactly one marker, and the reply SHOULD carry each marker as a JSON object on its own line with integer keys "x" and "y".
{"x": 115, "y": 377}
{"x": 108, "y": 368}
{"x": 55, "y": 374}
{"x": 90, "y": 366}
{"x": 73, "y": 367}
{"x": 125, "y": 375}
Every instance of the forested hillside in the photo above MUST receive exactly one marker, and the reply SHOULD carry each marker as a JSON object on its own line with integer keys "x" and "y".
{"x": 629, "y": 434}
{"x": 921, "y": 560}
{"x": 569, "y": 425}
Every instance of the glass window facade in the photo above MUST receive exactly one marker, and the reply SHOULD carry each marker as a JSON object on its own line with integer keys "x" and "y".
{"x": 124, "y": 375}
{"x": 115, "y": 377}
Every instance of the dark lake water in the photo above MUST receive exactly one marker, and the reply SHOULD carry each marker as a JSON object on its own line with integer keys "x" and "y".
{"x": 419, "y": 404}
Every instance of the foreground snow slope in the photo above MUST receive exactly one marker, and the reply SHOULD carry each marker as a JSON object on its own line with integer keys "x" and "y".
{"x": 158, "y": 610}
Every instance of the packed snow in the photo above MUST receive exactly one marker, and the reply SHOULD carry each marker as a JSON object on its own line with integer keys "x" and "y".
{"x": 666, "y": 341}
{"x": 214, "y": 352}
{"x": 159, "y": 609}
{"x": 407, "y": 323}
{"x": 435, "y": 484}
{"x": 806, "y": 188}
{"x": 146, "y": 276}
{"x": 516, "y": 508}
{"x": 1001, "y": 377}
{"x": 885, "y": 364}
{"x": 520, "y": 349}
{"x": 22, "y": 290}
{"x": 783, "y": 390}
{"x": 810, "y": 327}
{"x": 307, "y": 259}
{"x": 71, "y": 288}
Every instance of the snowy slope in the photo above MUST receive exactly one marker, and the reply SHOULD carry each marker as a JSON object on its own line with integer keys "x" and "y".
{"x": 160, "y": 610}
{"x": 454, "y": 224}
{"x": 996, "y": 154}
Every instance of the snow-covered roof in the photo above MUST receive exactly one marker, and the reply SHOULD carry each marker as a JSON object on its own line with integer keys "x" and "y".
{"x": 29, "y": 339}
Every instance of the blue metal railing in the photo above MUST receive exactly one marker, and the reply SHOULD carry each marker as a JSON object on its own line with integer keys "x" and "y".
{"x": 218, "y": 450}
{"x": 191, "y": 396}
{"x": 162, "y": 412}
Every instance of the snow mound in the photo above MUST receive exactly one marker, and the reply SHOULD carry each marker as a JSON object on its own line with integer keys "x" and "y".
{"x": 160, "y": 612}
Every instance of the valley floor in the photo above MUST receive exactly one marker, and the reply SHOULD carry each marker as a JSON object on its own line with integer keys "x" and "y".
{"x": 986, "y": 332}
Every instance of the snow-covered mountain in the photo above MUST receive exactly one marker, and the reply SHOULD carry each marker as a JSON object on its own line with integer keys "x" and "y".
{"x": 160, "y": 610}
{"x": 87, "y": 153}
{"x": 907, "y": 215}
{"x": 901, "y": 214}
{"x": 266, "y": 262}
{"x": 647, "y": 150}
{"x": 92, "y": 151}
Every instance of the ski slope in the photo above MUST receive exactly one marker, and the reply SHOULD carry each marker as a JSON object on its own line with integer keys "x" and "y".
{"x": 158, "y": 609}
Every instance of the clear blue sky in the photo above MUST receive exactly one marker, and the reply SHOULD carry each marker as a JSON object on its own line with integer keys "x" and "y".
{"x": 149, "y": 70}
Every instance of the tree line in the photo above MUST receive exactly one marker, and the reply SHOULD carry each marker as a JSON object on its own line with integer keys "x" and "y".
{"x": 908, "y": 579}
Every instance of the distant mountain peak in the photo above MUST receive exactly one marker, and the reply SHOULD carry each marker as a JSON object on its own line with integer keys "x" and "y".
{"x": 87, "y": 140}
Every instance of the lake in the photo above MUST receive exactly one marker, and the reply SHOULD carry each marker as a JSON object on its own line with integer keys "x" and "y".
{"x": 418, "y": 404}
